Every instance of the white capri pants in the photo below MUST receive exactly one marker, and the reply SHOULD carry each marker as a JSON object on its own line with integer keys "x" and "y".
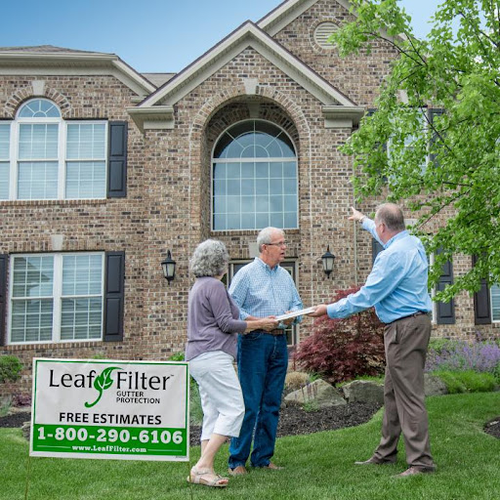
{"x": 220, "y": 394}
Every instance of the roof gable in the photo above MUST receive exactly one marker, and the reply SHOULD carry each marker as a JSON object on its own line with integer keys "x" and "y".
{"x": 287, "y": 12}
{"x": 50, "y": 60}
{"x": 247, "y": 35}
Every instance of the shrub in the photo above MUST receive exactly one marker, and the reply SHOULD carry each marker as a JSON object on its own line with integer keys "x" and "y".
{"x": 439, "y": 344}
{"x": 10, "y": 368}
{"x": 21, "y": 400}
{"x": 467, "y": 381}
{"x": 5, "y": 405}
{"x": 496, "y": 373}
{"x": 295, "y": 380}
{"x": 344, "y": 349}
{"x": 177, "y": 356}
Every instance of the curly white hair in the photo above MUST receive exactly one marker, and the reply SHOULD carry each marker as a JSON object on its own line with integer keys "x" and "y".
{"x": 209, "y": 259}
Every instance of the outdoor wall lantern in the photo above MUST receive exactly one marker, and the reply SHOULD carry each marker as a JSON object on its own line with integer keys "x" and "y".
{"x": 328, "y": 259}
{"x": 168, "y": 266}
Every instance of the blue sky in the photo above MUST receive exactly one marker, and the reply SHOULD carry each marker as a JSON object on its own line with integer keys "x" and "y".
{"x": 151, "y": 36}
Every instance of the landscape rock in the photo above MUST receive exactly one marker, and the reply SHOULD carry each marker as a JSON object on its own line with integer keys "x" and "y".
{"x": 319, "y": 394}
{"x": 364, "y": 391}
{"x": 434, "y": 386}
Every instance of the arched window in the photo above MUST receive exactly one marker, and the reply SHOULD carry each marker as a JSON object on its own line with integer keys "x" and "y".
{"x": 43, "y": 157}
{"x": 39, "y": 108}
{"x": 254, "y": 178}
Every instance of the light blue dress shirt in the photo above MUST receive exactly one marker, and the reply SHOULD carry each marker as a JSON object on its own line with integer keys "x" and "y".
{"x": 261, "y": 291}
{"x": 397, "y": 285}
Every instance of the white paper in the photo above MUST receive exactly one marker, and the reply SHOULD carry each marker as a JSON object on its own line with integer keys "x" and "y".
{"x": 294, "y": 314}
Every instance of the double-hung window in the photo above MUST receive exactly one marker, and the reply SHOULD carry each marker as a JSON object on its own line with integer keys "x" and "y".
{"x": 62, "y": 297}
{"x": 43, "y": 157}
{"x": 85, "y": 160}
{"x": 56, "y": 297}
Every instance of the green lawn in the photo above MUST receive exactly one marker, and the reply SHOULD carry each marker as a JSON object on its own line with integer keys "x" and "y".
{"x": 318, "y": 466}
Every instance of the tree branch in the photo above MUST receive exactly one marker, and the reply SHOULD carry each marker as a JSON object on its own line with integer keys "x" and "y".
{"x": 442, "y": 207}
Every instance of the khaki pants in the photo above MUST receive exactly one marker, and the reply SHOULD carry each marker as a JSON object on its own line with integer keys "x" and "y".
{"x": 406, "y": 342}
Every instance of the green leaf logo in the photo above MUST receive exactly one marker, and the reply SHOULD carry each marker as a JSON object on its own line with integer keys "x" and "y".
{"x": 101, "y": 383}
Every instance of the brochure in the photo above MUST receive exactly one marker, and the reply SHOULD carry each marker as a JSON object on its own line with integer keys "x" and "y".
{"x": 294, "y": 314}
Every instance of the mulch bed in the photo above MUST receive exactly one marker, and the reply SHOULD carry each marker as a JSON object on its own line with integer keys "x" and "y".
{"x": 293, "y": 420}
{"x": 15, "y": 419}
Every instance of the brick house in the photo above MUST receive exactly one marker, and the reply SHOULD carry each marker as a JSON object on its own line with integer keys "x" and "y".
{"x": 103, "y": 170}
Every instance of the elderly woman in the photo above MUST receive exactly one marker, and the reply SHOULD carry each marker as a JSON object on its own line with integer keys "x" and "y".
{"x": 213, "y": 326}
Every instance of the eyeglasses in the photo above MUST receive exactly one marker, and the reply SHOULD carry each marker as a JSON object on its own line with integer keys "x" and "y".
{"x": 278, "y": 244}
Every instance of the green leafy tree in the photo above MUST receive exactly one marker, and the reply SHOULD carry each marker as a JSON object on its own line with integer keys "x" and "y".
{"x": 455, "y": 68}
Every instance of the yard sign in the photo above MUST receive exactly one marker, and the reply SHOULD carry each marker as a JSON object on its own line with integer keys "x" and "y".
{"x": 128, "y": 410}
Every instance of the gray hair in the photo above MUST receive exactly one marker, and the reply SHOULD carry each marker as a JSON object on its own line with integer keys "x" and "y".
{"x": 392, "y": 216}
{"x": 266, "y": 235}
{"x": 209, "y": 259}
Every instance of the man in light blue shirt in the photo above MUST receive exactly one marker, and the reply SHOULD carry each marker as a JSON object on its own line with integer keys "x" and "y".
{"x": 397, "y": 288}
{"x": 262, "y": 288}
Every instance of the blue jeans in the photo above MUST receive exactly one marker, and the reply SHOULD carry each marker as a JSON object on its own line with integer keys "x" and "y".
{"x": 262, "y": 365}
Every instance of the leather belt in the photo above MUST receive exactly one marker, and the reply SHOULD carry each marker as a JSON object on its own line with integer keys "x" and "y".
{"x": 277, "y": 331}
{"x": 414, "y": 315}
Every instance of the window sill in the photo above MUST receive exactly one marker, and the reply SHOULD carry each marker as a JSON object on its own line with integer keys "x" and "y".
{"x": 53, "y": 346}
{"x": 17, "y": 203}
{"x": 247, "y": 232}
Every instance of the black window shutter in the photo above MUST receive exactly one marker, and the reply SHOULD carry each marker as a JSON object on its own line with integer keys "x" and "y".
{"x": 445, "y": 310}
{"x": 4, "y": 260}
{"x": 114, "y": 296}
{"x": 117, "y": 160}
{"x": 482, "y": 306}
{"x": 376, "y": 249}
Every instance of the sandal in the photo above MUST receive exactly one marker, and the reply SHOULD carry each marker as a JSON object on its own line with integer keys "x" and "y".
{"x": 207, "y": 478}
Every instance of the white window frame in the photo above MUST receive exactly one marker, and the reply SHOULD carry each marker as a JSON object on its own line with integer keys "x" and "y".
{"x": 62, "y": 160}
{"x": 56, "y": 297}
{"x": 432, "y": 258}
{"x": 15, "y": 160}
{"x": 249, "y": 160}
{"x": 8, "y": 160}
{"x": 497, "y": 292}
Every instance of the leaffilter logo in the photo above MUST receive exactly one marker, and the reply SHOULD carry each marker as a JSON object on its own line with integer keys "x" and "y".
{"x": 101, "y": 383}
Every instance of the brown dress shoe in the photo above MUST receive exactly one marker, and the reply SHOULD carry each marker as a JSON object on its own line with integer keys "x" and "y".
{"x": 374, "y": 461}
{"x": 411, "y": 471}
{"x": 240, "y": 470}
